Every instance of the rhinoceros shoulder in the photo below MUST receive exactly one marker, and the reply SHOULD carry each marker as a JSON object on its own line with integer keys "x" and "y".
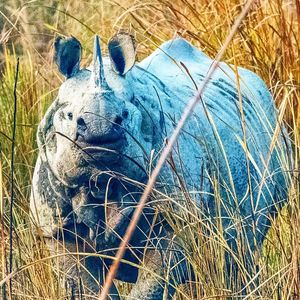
{"x": 180, "y": 49}
{"x": 180, "y": 65}
{"x": 167, "y": 58}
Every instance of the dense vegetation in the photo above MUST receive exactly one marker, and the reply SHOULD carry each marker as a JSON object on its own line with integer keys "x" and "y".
{"x": 268, "y": 42}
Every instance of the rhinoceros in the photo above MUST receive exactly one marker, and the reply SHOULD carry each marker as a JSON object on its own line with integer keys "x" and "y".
{"x": 102, "y": 135}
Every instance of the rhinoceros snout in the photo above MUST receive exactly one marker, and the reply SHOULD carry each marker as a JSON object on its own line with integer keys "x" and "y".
{"x": 97, "y": 131}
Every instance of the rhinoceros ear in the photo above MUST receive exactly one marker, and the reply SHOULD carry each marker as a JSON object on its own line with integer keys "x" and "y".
{"x": 67, "y": 55}
{"x": 122, "y": 53}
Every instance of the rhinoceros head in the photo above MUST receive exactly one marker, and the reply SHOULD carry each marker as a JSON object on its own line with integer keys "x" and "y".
{"x": 93, "y": 124}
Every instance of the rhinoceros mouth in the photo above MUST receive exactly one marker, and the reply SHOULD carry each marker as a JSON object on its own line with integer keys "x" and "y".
{"x": 112, "y": 147}
{"x": 101, "y": 145}
{"x": 109, "y": 148}
{"x": 102, "y": 152}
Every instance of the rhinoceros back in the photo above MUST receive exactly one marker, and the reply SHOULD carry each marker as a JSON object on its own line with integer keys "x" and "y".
{"x": 234, "y": 129}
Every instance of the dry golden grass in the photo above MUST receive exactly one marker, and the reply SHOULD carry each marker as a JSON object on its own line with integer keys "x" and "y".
{"x": 268, "y": 42}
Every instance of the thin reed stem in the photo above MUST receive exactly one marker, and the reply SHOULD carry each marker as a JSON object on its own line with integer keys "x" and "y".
{"x": 12, "y": 178}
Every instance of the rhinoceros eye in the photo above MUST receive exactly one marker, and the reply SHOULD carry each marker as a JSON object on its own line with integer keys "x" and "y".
{"x": 70, "y": 116}
{"x": 125, "y": 114}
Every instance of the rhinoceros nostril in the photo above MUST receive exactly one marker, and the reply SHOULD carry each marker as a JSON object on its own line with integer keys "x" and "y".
{"x": 118, "y": 120}
{"x": 81, "y": 124}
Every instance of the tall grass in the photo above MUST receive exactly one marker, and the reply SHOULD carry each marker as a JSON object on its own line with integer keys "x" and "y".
{"x": 268, "y": 42}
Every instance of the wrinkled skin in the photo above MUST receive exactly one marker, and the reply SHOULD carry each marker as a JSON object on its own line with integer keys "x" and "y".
{"x": 100, "y": 138}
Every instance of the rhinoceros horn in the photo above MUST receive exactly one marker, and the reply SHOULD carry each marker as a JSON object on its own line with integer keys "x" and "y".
{"x": 98, "y": 68}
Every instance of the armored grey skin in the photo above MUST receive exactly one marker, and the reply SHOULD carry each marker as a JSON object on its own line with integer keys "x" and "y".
{"x": 99, "y": 139}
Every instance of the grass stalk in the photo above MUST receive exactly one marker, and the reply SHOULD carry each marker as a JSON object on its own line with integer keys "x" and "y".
{"x": 12, "y": 192}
